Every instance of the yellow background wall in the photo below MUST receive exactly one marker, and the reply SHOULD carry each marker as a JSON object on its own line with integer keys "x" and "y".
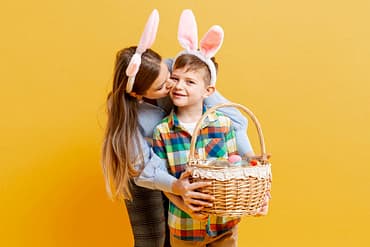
{"x": 301, "y": 66}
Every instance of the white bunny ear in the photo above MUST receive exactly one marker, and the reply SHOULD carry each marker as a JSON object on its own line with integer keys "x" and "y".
{"x": 188, "y": 31}
{"x": 212, "y": 41}
{"x": 146, "y": 41}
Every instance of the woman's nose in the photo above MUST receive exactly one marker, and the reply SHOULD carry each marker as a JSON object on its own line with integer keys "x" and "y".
{"x": 170, "y": 83}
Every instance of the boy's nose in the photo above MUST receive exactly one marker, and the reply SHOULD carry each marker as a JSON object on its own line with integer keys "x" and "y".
{"x": 178, "y": 84}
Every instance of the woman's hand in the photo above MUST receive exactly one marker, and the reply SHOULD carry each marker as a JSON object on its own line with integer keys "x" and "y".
{"x": 190, "y": 196}
{"x": 265, "y": 206}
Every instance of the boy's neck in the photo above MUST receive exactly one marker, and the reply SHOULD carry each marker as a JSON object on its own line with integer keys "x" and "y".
{"x": 189, "y": 114}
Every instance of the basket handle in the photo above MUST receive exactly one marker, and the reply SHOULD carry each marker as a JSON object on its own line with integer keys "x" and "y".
{"x": 228, "y": 104}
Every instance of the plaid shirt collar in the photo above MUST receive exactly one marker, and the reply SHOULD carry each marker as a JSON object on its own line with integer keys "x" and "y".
{"x": 174, "y": 122}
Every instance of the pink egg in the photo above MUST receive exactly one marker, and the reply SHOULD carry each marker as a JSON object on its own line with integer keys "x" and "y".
{"x": 234, "y": 158}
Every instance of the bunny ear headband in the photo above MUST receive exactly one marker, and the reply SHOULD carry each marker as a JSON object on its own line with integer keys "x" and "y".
{"x": 209, "y": 45}
{"x": 146, "y": 41}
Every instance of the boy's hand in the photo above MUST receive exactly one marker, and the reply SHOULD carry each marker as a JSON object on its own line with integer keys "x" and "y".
{"x": 188, "y": 191}
{"x": 198, "y": 216}
{"x": 194, "y": 212}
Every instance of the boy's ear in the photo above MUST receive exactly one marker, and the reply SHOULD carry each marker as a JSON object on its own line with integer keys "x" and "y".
{"x": 209, "y": 90}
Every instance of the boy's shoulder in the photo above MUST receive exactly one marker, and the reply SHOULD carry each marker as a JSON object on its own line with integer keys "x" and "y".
{"x": 163, "y": 125}
{"x": 220, "y": 114}
{"x": 166, "y": 119}
{"x": 222, "y": 118}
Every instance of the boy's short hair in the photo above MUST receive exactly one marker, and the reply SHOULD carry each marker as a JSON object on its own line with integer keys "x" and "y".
{"x": 193, "y": 63}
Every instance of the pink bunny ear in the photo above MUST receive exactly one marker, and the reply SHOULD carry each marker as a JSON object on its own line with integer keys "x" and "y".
{"x": 188, "y": 31}
{"x": 210, "y": 44}
{"x": 150, "y": 32}
{"x": 146, "y": 41}
{"x": 212, "y": 41}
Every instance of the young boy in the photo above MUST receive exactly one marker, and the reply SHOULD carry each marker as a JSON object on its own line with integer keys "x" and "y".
{"x": 172, "y": 138}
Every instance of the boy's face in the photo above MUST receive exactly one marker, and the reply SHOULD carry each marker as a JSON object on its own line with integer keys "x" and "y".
{"x": 189, "y": 88}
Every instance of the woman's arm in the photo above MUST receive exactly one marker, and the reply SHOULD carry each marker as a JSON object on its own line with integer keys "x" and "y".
{"x": 239, "y": 122}
{"x": 154, "y": 174}
{"x": 243, "y": 143}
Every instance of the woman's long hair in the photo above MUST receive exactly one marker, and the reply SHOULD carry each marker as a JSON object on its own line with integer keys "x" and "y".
{"x": 121, "y": 150}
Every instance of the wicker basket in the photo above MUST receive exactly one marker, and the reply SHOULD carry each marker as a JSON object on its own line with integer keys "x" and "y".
{"x": 238, "y": 190}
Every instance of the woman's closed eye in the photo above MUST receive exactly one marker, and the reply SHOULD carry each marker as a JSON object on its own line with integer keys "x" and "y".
{"x": 160, "y": 87}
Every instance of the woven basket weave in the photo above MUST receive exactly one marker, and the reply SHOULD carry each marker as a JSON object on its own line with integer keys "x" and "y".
{"x": 238, "y": 190}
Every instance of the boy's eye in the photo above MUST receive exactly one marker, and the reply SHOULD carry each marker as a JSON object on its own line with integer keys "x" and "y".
{"x": 174, "y": 79}
{"x": 191, "y": 82}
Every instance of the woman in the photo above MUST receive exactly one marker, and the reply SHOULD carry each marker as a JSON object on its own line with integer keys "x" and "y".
{"x": 136, "y": 104}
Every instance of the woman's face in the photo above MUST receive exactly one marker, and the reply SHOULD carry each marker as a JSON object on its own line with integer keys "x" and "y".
{"x": 161, "y": 86}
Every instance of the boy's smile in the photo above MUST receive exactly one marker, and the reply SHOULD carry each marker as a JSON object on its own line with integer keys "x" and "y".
{"x": 190, "y": 88}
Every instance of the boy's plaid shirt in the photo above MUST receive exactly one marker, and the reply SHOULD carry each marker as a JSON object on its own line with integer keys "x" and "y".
{"x": 172, "y": 142}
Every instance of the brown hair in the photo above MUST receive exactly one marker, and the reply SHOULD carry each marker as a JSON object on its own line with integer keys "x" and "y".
{"x": 193, "y": 63}
{"x": 121, "y": 147}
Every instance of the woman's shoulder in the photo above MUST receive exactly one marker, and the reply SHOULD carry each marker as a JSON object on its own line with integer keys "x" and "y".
{"x": 149, "y": 116}
{"x": 165, "y": 104}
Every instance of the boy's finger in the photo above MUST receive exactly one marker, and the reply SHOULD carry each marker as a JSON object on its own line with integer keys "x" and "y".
{"x": 201, "y": 203}
{"x": 202, "y": 196}
{"x": 194, "y": 208}
{"x": 198, "y": 185}
{"x": 185, "y": 174}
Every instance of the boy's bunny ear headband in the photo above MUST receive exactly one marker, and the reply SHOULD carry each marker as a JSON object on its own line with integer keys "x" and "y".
{"x": 209, "y": 45}
{"x": 146, "y": 41}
